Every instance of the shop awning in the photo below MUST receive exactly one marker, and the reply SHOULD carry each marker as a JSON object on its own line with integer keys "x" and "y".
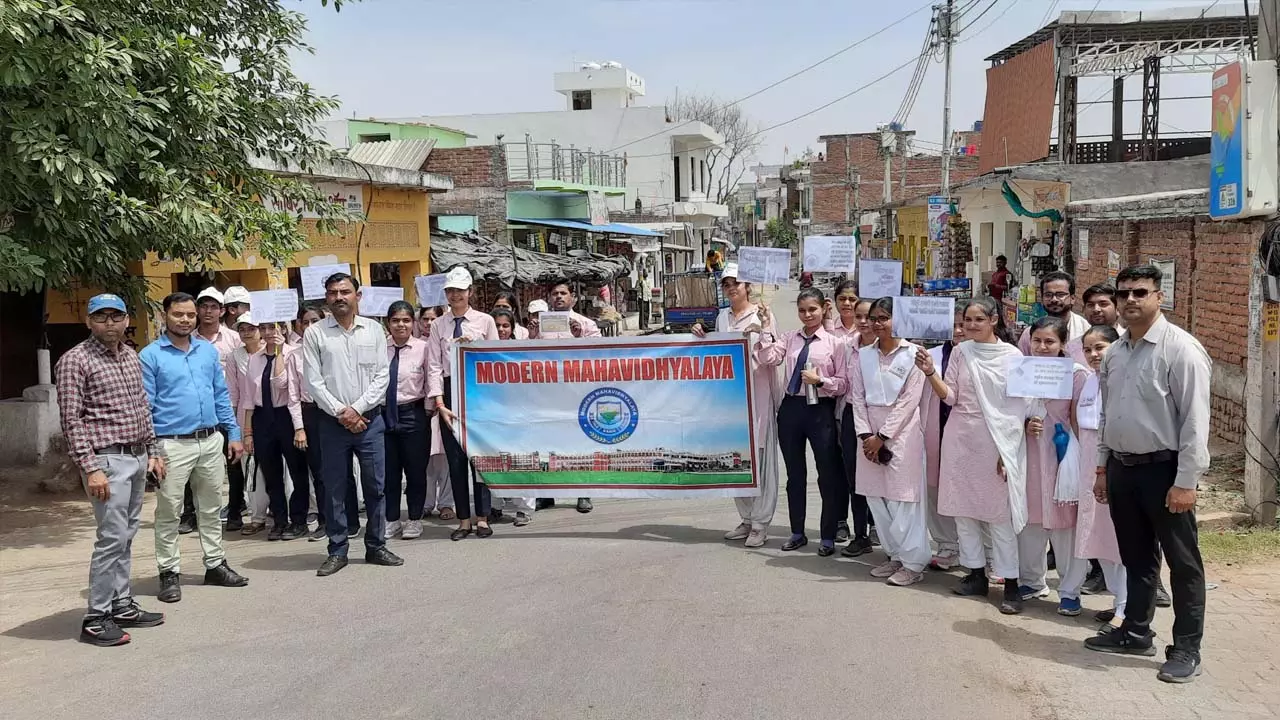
{"x": 491, "y": 260}
{"x": 585, "y": 226}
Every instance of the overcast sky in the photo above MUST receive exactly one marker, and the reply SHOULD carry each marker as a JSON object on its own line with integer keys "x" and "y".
{"x": 393, "y": 58}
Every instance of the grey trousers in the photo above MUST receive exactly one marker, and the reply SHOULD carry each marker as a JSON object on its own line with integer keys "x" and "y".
{"x": 118, "y": 519}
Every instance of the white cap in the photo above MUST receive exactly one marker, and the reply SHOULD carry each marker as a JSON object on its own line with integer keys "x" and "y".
{"x": 458, "y": 278}
{"x": 245, "y": 318}
{"x": 236, "y": 294}
{"x": 730, "y": 271}
{"x": 538, "y": 306}
{"x": 209, "y": 292}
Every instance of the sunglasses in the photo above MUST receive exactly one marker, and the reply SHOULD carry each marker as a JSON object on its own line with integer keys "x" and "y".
{"x": 1136, "y": 293}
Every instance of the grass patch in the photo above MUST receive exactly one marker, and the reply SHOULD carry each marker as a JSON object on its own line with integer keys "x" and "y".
{"x": 1240, "y": 546}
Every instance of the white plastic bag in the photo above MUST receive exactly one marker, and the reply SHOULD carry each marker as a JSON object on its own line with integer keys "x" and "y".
{"x": 1067, "y": 489}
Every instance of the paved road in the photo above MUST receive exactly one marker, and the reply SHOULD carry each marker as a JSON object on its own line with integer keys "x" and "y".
{"x": 638, "y": 610}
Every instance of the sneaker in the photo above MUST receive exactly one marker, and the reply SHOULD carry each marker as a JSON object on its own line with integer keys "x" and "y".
{"x": 170, "y": 587}
{"x": 233, "y": 524}
{"x": 276, "y": 533}
{"x": 522, "y": 519}
{"x": 857, "y": 546}
{"x": 1094, "y": 584}
{"x": 1069, "y": 606}
{"x": 975, "y": 584}
{"x": 102, "y": 631}
{"x": 886, "y": 569}
{"x": 905, "y": 577}
{"x": 186, "y": 525}
{"x": 992, "y": 576}
{"x": 757, "y": 538}
{"x": 1011, "y": 604}
{"x": 317, "y": 535}
{"x": 222, "y": 514}
{"x": 393, "y": 528}
{"x": 739, "y": 533}
{"x": 874, "y": 536}
{"x": 1180, "y": 666}
{"x": 1029, "y": 593}
{"x": 313, "y": 517}
{"x": 1162, "y": 597}
{"x": 412, "y": 530}
{"x": 1120, "y": 641}
{"x": 293, "y": 532}
{"x": 129, "y": 614}
{"x": 842, "y": 532}
{"x": 944, "y": 560}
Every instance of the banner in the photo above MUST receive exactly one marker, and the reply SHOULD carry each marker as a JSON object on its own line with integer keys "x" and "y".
{"x": 939, "y": 216}
{"x": 627, "y": 417}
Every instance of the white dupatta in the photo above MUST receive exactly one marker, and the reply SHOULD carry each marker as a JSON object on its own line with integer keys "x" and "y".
{"x": 1089, "y": 406}
{"x": 1004, "y": 417}
{"x": 882, "y": 386}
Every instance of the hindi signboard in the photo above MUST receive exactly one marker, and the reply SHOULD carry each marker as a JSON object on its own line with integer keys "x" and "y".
{"x": 880, "y": 278}
{"x": 766, "y": 266}
{"x": 1047, "y": 378}
{"x": 269, "y": 306}
{"x": 830, "y": 253}
{"x": 924, "y": 317}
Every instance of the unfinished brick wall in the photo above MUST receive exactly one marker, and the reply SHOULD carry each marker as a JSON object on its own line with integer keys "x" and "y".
{"x": 480, "y": 186}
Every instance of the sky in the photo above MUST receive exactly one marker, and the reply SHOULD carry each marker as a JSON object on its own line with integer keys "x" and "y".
{"x": 389, "y": 58}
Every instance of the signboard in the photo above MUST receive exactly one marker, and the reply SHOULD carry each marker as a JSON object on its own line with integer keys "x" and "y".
{"x": 1167, "y": 284}
{"x": 349, "y": 196}
{"x": 1113, "y": 266}
{"x": 939, "y": 216}
{"x": 1271, "y": 322}
{"x": 1048, "y": 378}
{"x": 924, "y": 318}
{"x": 767, "y": 266}
{"x": 376, "y": 301}
{"x": 626, "y": 417}
{"x": 269, "y": 306}
{"x": 830, "y": 253}
{"x": 1082, "y": 245}
{"x": 644, "y": 244}
{"x": 1242, "y": 146}
{"x": 599, "y": 208}
{"x": 313, "y": 277}
{"x": 880, "y": 278}
{"x": 430, "y": 290}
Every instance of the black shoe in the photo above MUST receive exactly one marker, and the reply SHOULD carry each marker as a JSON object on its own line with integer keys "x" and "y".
{"x": 842, "y": 532}
{"x": 1120, "y": 641}
{"x": 383, "y": 557}
{"x": 459, "y": 533}
{"x": 1180, "y": 666}
{"x": 224, "y": 576}
{"x": 1011, "y": 604}
{"x": 975, "y": 584}
{"x": 1105, "y": 616}
{"x": 276, "y": 533}
{"x": 186, "y": 525}
{"x": 130, "y": 615}
{"x": 170, "y": 587}
{"x": 1162, "y": 596}
{"x": 317, "y": 535}
{"x": 484, "y": 531}
{"x": 857, "y": 546}
{"x": 1052, "y": 560}
{"x": 293, "y": 532}
{"x": 495, "y": 515}
{"x": 826, "y": 550}
{"x": 544, "y": 503}
{"x": 1094, "y": 584}
{"x": 102, "y": 631}
{"x": 795, "y": 543}
{"x": 585, "y": 506}
{"x": 233, "y": 524}
{"x": 332, "y": 564}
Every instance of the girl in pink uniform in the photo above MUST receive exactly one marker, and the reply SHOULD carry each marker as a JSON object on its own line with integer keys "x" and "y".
{"x": 1050, "y": 520}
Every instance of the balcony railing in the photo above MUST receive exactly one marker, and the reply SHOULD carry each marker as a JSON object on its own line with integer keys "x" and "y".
{"x": 529, "y": 161}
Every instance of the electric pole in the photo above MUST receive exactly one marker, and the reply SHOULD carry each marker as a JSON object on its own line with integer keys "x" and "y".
{"x": 946, "y": 34}
{"x": 888, "y": 144}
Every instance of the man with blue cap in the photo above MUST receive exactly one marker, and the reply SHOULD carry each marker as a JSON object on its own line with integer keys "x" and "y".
{"x": 106, "y": 421}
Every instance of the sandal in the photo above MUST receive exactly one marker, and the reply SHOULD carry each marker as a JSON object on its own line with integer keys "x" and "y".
{"x": 459, "y": 533}
{"x": 484, "y": 531}
{"x": 447, "y": 513}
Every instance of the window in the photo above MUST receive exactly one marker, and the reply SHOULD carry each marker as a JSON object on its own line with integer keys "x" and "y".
{"x": 374, "y": 137}
{"x": 581, "y": 99}
{"x": 693, "y": 175}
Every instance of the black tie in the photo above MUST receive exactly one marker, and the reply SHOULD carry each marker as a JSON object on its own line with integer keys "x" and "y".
{"x": 457, "y": 326}
{"x": 267, "y": 405}
{"x": 390, "y": 412}
{"x": 793, "y": 387}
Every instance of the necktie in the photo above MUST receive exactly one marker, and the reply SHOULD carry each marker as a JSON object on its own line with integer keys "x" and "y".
{"x": 457, "y": 326}
{"x": 390, "y": 412}
{"x": 267, "y": 404}
{"x": 793, "y": 387}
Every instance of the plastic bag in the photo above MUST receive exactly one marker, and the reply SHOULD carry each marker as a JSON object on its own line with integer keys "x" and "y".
{"x": 1067, "y": 489}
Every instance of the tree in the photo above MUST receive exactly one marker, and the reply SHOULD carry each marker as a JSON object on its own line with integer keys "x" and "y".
{"x": 726, "y": 164}
{"x": 128, "y": 127}
{"x": 779, "y": 233}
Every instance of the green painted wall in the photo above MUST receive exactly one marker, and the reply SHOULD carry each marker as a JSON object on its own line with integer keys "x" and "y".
{"x": 444, "y": 137}
{"x": 545, "y": 205}
{"x": 457, "y": 223}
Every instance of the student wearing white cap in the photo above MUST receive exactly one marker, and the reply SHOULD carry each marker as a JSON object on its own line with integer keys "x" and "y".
{"x": 460, "y": 323}
{"x": 235, "y": 302}
{"x": 536, "y": 308}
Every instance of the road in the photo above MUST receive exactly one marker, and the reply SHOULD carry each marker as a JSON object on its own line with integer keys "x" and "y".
{"x": 638, "y": 610}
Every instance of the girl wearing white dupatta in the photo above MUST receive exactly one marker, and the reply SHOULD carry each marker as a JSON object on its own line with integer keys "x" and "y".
{"x": 743, "y": 316}
{"x": 982, "y": 482}
{"x": 884, "y": 395}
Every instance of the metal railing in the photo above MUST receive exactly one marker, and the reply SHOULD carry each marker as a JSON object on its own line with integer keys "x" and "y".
{"x": 528, "y": 161}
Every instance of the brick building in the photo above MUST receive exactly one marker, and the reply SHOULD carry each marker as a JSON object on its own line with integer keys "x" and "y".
{"x": 479, "y": 191}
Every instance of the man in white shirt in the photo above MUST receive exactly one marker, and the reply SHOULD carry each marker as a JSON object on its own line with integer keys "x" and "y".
{"x": 1058, "y": 296}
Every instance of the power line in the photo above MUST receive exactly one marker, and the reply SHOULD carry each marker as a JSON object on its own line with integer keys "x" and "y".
{"x": 985, "y": 10}
{"x": 986, "y": 27}
{"x": 917, "y": 78}
{"x": 797, "y": 73}
{"x": 1048, "y": 12}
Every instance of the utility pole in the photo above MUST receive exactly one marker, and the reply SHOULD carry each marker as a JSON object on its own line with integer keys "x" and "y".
{"x": 947, "y": 35}
{"x": 888, "y": 145}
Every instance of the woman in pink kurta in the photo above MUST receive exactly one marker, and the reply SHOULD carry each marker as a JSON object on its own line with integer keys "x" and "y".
{"x": 982, "y": 482}
{"x": 884, "y": 394}
{"x": 1050, "y": 521}
{"x": 850, "y": 325}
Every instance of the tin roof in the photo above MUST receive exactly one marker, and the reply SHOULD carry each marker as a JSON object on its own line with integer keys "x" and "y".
{"x": 402, "y": 154}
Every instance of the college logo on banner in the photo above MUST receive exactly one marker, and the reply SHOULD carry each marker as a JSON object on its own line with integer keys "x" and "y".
{"x": 608, "y": 415}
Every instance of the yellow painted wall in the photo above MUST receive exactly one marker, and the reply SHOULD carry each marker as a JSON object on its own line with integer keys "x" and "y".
{"x": 397, "y": 229}
{"x": 912, "y": 245}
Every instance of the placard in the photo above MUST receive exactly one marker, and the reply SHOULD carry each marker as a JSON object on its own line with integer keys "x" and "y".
{"x": 553, "y": 322}
{"x": 1167, "y": 269}
{"x": 430, "y": 290}
{"x": 924, "y": 317}
{"x": 1048, "y": 378}
{"x": 1113, "y": 266}
{"x": 880, "y": 278}
{"x": 273, "y": 306}
{"x": 313, "y": 277}
{"x": 766, "y": 266}
{"x": 830, "y": 253}
{"x": 376, "y": 301}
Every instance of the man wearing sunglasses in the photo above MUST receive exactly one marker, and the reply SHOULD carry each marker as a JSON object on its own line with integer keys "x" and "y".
{"x": 1058, "y": 296}
{"x": 1153, "y": 446}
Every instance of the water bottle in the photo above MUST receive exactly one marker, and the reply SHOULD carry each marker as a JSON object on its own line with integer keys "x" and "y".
{"x": 1061, "y": 439}
{"x": 810, "y": 391}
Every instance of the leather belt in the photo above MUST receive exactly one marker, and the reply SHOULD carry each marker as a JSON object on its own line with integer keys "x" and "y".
{"x": 1132, "y": 459}
{"x": 200, "y": 434}
{"x": 133, "y": 449}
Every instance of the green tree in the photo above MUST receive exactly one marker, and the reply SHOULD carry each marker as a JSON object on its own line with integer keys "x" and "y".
{"x": 780, "y": 233}
{"x": 128, "y": 127}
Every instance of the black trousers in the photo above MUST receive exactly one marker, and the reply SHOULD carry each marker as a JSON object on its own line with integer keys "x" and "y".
{"x": 850, "y": 448}
{"x": 311, "y": 416}
{"x": 408, "y": 450}
{"x": 274, "y": 449}
{"x": 799, "y": 422}
{"x": 460, "y": 470}
{"x": 1144, "y": 526}
{"x": 235, "y": 487}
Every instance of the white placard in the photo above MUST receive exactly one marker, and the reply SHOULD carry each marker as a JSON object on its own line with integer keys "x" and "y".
{"x": 430, "y": 290}
{"x": 766, "y": 266}
{"x": 273, "y": 306}
{"x": 375, "y": 301}
{"x": 880, "y": 278}
{"x": 830, "y": 253}
{"x": 313, "y": 277}
{"x": 1168, "y": 281}
{"x": 1082, "y": 237}
{"x": 923, "y": 318}
{"x": 1049, "y": 378}
{"x": 553, "y": 322}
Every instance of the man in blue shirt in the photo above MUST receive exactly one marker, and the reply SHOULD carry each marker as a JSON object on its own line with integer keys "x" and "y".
{"x": 189, "y": 402}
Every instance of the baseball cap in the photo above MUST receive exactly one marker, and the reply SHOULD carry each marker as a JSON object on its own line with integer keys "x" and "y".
{"x": 245, "y": 318}
{"x": 458, "y": 278}
{"x": 236, "y": 294}
{"x": 211, "y": 293}
{"x": 106, "y": 301}
{"x": 730, "y": 271}
{"x": 538, "y": 306}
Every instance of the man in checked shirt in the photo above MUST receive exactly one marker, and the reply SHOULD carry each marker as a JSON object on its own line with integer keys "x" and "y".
{"x": 106, "y": 421}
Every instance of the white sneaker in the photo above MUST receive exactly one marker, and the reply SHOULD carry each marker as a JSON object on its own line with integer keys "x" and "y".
{"x": 904, "y": 577}
{"x": 757, "y": 538}
{"x": 393, "y": 528}
{"x": 739, "y": 533}
{"x": 412, "y": 530}
{"x": 886, "y": 570}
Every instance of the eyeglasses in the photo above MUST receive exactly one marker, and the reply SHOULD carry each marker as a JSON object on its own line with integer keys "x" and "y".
{"x": 104, "y": 319}
{"x": 879, "y": 319}
{"x": 1137, "y": 293}
{"x": 1057, "y": 296}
